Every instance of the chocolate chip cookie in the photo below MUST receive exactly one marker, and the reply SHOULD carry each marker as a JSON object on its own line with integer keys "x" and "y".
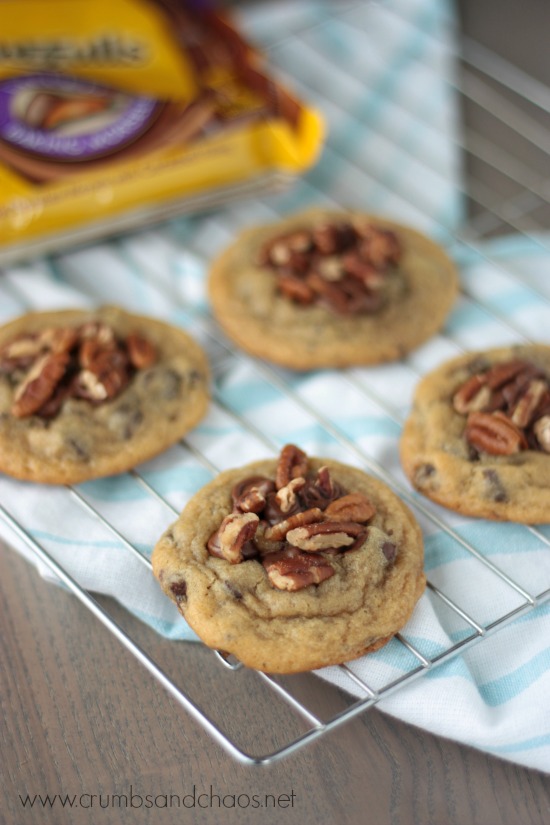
{"x": 85, "y": 394}
{"x": 293, "y": 564}
{"x": 478, "y": 438}
{"x": 329, "y": 288}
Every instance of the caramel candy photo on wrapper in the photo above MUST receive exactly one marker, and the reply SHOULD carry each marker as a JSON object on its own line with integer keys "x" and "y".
{"x": 327, "y": 288}
{"x": 85, "y": 394}
{"x": 294, "y": 563}
{"x": 478, "y": 437}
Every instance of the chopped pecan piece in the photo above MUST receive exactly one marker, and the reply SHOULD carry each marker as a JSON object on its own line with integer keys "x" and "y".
{"x": 494, "y": 433}
{"x": 59, "y": 339}
{"x": 381, "y": 248}
{"x": 324, "y": 536}
{"x": 110, "y": 367}
{"x": 88, "y": 386}
{"x": 100, "y": 332}
{"x": 474, "y": 395}
{"x": 232, "y": 535}
{"x": 352, "y": 507}
{"x": 324, "y": 483}
{"x": 22, "y": 348}
{"x": 295, "y": 288}
{"x": 331, "y": 294}
{"x": 250, "y": 495}
{"x": 331, "y": 268}
{"x": 286, "y": 497}
{"x": 292, "y": 570}
{"x": 504, "y": 373}
{"x": 527, "y": 405}
{"x": 141, "y": 352}
{"x": 541, "y": 428}
{"x": 364, "y": 271}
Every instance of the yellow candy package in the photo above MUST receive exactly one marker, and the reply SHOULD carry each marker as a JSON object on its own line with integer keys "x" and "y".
{"x": 118, "y": 113}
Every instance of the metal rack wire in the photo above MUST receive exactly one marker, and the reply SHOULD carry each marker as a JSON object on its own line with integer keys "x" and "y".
{"x": 479, "y": 66}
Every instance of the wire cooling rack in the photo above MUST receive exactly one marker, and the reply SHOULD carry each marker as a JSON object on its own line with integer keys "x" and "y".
{"x": 520, "y": 104}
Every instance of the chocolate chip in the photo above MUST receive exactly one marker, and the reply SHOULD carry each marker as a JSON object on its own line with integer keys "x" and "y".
{"x": 423, "y": 473}
{"x": 249, "y": 551}
{"x": 179, "y": 589}
{"x": 495, "y": 488}
{"x": 79, "y": 449}
{"x": 125, "y": 420}
{"x": 166, "y": 383}
{"x": 479, "y": 364}
{"x": 473, "y": 454}
{"x": 233, "y": 590}
{"x": 194, "y": 377}
{"x": 389, "y": 550}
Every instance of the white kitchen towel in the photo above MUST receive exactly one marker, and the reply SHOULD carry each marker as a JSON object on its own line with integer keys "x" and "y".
{"x": 383, "y": 74}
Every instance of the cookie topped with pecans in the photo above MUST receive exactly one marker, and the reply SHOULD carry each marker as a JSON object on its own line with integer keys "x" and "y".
{"x": 293, "y": 564}
{"x": 478, "y": 438}
{"x": 328, "y": 288}
{"x": 85, "y": 394}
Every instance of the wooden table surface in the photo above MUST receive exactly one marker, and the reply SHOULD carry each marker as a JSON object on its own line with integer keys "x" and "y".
{"x": 81, "y": 717}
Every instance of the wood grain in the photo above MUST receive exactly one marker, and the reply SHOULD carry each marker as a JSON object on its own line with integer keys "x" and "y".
{"x": 81, "y": 716}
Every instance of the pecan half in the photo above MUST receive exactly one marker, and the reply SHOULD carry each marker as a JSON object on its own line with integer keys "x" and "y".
{"x": 292, "y": 464}
{"x": 233, "y": 533}
{"x": 315, "y": 537}
{"x": 494, "y": 433}
{"x": 20, "y": 353}
{"x": 39, "y": 384}
{"x": 278, "y": 531}
{"x": 292, "y": 570}
{"x": 250, "y": 495}
{"x": 352, "y": 507}
{"x": 504, "y": 373}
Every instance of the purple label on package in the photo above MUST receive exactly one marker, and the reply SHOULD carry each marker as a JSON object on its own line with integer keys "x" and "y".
{"x": 70, "y": 119}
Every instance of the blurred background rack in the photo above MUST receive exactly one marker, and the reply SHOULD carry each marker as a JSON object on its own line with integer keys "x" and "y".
{"x": 506, "y": 189}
